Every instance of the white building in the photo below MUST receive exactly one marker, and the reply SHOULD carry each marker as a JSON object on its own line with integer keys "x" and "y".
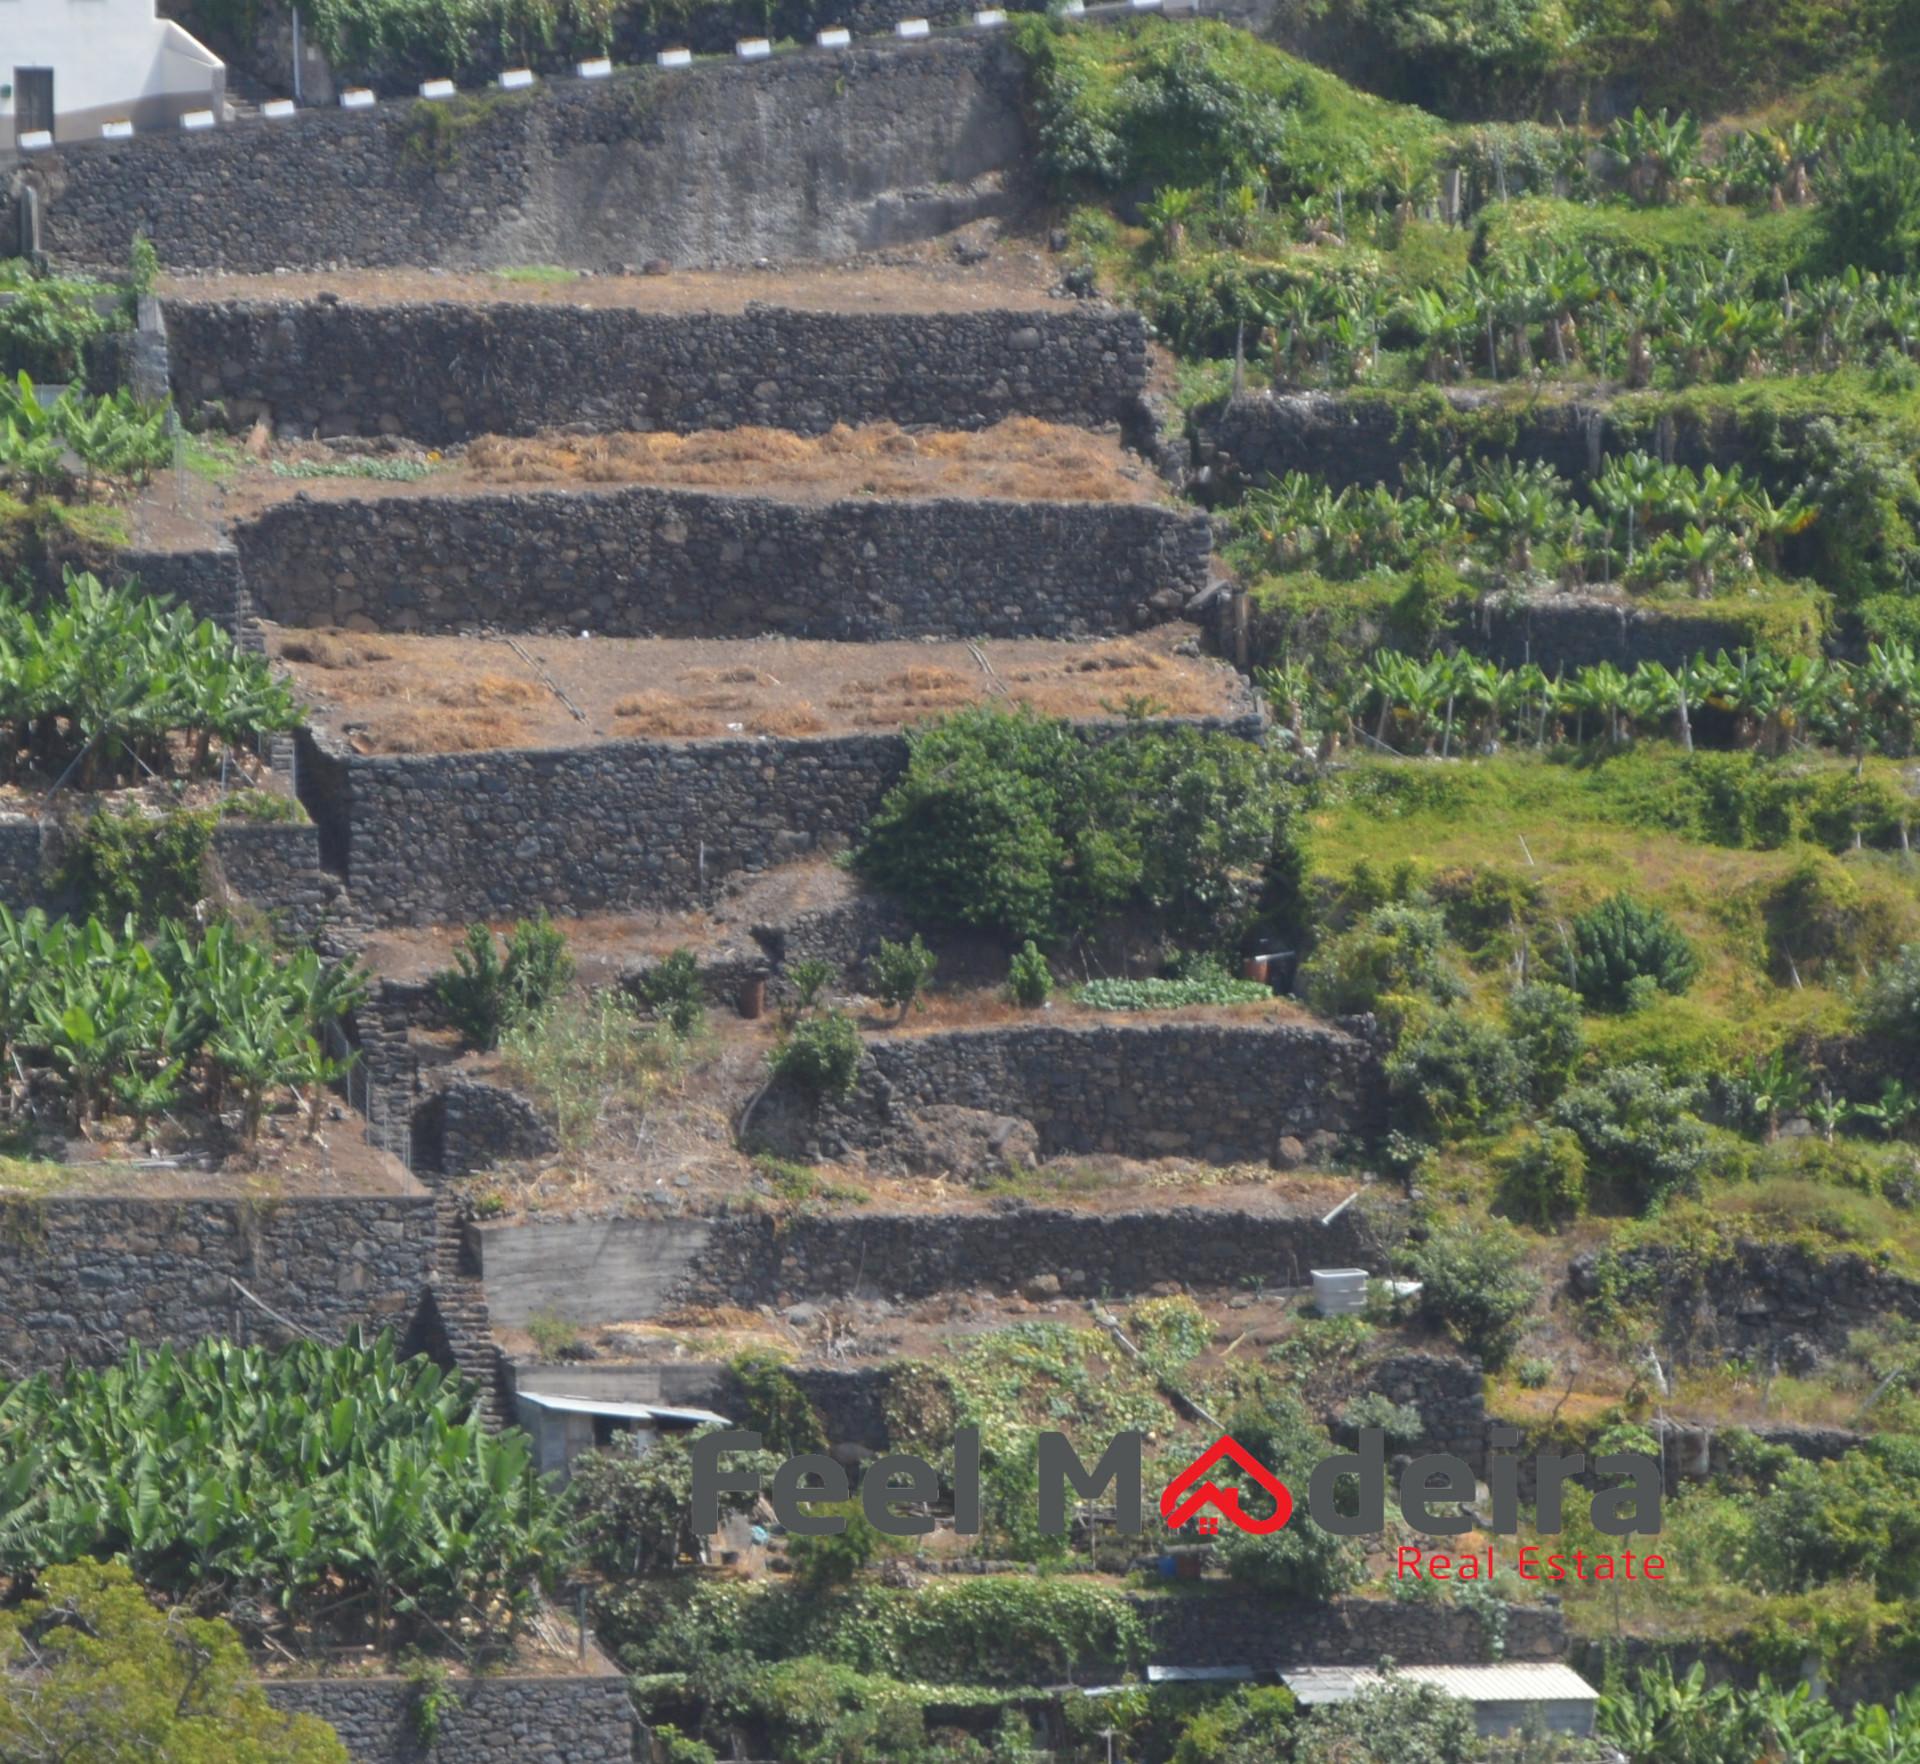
{"x": 70, "y": 65}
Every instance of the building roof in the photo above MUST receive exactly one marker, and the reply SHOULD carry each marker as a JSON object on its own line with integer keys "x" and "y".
{"x": 1546, "y": 1682}
{"x": 573, "y": 1405}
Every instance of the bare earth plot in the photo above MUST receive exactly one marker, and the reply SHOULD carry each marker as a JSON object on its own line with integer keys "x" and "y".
{"x": 393, "y": 694}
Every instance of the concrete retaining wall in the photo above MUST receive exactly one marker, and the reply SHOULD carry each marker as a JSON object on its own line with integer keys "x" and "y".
{"x": 801, "y": 157}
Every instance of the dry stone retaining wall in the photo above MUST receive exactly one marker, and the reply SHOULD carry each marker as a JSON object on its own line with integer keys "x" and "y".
{"x": 812, "y": 156}
{"x": 445, "y": 372}
{"x": 1243, "y": 1629}
{"x": 429, "y": 839}
{"x": 649, "y": 561}
{"x": 1226, "y": 1093}
{"x": 83, "y": 1276}
{"x": 491, "y": 1720}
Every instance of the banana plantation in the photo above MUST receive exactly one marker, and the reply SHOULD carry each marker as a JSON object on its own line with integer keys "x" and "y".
{"x": 1638, "y": 523}
{"x": 111, "y": 436}
{"x": 316, "y": 1495}
{"x": 96, "y": 1019}
{"x": 97, "y": 684}
{"x": 1460, "y": 704}
{"x": 1670, "y": 1718}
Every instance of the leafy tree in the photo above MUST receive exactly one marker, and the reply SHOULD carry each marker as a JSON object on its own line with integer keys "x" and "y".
{"x": 1397, "y": 1722}
{"x": 633, "y": 1515}
{"x": 1621, "y": 948}
{"x": 900, "y": 972}
{"x": 1299, "y": 1560}
{"x": 1891, "y": 1003}
{"x": 1639, "y": 1131}
{"x": 1474, "y": 1282}
{"x": 1018, "y": 823}
{"x": 124, "y": 864}
{"x": 1857, "y": 1516}
{"x": 92, "y": 1670}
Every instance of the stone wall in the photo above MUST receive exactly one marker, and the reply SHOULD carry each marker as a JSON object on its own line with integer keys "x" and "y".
{"x": 431, "y": 839}
{"x": 1760, "y": 1300}
{"x": 445, "y": 372}
{"x": 1234, "y": 1628}
{"x": 207, "y": 580}
{"x": 752, "y": 1261}
{"x": 275, "y": 866}
{"x": 428, "y": 839}
{"x": 812, "y": 156}
{"x": 1577, "y": 630}
{"x": 647, "y": 561}
{"x": 492, "y": 1720}
{"x": 1450, "y": 1394}
{"x": 1225, "y": 1093}
{"x": 599, "y": 1271}
{"x": 84, "y": 1275}
{"x": 1361, "y": 438}
{"x": 468, "y": 1125}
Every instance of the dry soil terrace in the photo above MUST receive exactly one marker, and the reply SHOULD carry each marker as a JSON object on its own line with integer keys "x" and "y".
{"x": 1021, "y": 459}
{"x": 405, "y": 694}
{"x": 1009, "y": 278}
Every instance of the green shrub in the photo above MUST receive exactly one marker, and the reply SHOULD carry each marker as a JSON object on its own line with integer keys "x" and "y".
{"x": 485, "y": 994}
{"x": 821, "y": 1055}
{"x": 1402, "y": 1423}
{"x": 1014, "y": 822}
{"x": 1890, "y": 1005}
{"x": 900, "y": 972}
{"x": 1476, "y": 1285}
{"x": 671, "y": 990}
{"x": 776, "y": 1407}
{"x": 1543, "y": 1180}
{"x": 1621, "y": 947}
{"x": 123, "y": 863}
{"x": 1457, "y": 1075}
{"x": 1544, "y": 1021}
{"x": 1870, "y": 200}
{"x": 1394, "y": 950}
{"x": 1029, "y": 978}
{"x": 1855, "y": 1517}
{"x": 1639, "y": 1131}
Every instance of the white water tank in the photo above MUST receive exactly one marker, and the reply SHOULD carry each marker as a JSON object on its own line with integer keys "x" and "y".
{"x": 1340, "y": 1292}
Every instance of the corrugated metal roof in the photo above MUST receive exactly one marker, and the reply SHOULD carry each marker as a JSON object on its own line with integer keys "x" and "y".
{"x": 1515, "y": 1682}
{"x": 1198, "y": 1674}
{"x": 620, "y": 1411}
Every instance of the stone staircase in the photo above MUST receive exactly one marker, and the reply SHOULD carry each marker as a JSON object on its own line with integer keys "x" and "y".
{"x": 459, "y": 1301}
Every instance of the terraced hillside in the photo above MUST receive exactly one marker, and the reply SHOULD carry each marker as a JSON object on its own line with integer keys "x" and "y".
{"x": 1070, "y": 730}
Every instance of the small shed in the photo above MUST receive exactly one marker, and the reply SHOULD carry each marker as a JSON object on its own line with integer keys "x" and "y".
{"x": 1505, "y": 1697}
{"x": 564, "y": 1426}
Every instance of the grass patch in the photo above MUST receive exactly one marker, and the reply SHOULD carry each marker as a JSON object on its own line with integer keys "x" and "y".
{"x": 541, "y": 274}
{"x": 384, "y": 468}
{"x": 1543, "y": 840}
